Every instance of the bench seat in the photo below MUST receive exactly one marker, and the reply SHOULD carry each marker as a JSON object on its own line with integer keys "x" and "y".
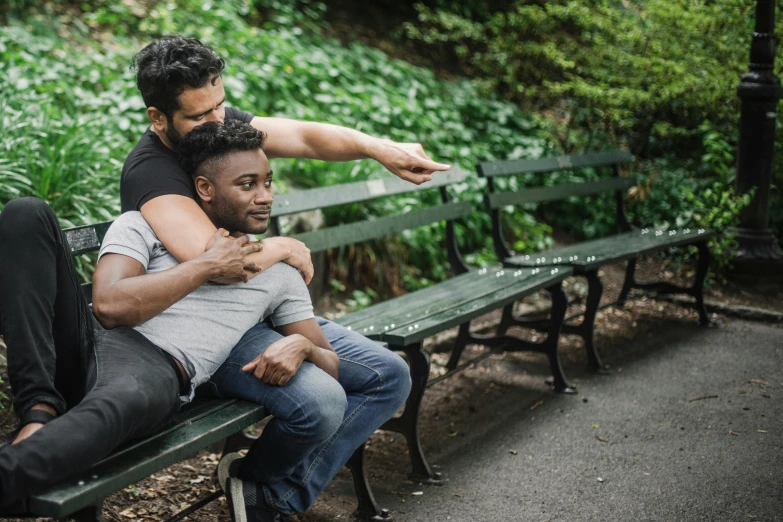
{"x": 200, "y": 424}
{"x": 412, "y": 317}
{"x": 589, "y": 255}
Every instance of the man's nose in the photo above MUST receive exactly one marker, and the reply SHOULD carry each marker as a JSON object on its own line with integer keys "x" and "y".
{"x": 214, "y": 116}
{"x": 264, "y": 197}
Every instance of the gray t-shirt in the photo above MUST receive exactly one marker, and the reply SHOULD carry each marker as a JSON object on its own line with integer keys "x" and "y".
{"x": 201, "y": 329}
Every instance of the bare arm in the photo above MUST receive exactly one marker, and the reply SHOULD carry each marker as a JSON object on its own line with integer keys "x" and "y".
{"x": 288, "y": 138}
{"x": 124, "y": 294}
{"x": 303, "y": 341}
{"x": 184, "y": 229}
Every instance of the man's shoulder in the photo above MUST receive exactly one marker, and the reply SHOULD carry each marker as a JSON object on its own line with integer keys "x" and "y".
{"x": 132, "y": 220}
{"x": 149, "y": 147}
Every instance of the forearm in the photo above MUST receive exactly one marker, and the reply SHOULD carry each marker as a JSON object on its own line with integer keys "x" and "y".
{"x": 325, "y": 359}
{"x": 133, "y": 300}
{"x": 321, "y": 141}
{"x": 271, "y": 253}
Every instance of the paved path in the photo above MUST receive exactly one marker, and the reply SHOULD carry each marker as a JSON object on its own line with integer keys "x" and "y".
{"x": 690, "y": 429}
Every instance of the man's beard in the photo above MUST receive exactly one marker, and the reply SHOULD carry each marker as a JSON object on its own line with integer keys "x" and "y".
{"x": 173, "y": 136}
{"x": 226, "y": 216}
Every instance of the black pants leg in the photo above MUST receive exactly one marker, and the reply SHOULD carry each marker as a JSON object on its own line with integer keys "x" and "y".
{"x": 55, "y": 357}
{"x": 44, "y": 319}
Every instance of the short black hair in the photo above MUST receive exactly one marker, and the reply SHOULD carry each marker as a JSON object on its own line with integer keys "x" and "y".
{"x": 206, "y": 145}
{"x": 167, "y": 66}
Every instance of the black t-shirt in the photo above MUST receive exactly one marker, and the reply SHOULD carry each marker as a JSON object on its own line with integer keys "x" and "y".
{"x": 152, "y": 169}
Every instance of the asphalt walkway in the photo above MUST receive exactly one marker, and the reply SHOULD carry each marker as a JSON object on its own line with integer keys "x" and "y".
{"x": 688, "y": 426}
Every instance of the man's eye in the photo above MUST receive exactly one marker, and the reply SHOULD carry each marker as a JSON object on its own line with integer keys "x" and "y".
{"x": 268, "y": 183}
{"x": 249, "y": 184}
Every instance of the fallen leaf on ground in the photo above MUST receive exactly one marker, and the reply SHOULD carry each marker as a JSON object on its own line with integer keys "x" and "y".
{"x": 703, "y": 397}
{"x": 536, "y": 405}
{"x": 601, "y": 439}
{"x": 731, "y": 432}
{"x": 513, "y": 452}
{"x": 762, "y": 431}
{"x": 595, "y": 426}
{"x": 417, "y": 493}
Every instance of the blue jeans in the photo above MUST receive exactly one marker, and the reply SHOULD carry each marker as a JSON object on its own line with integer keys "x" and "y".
{"x": 318, "y": 421}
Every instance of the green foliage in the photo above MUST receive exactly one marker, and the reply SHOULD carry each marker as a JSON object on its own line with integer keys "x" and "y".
{"x": 645, "y": 74}
{"x": 75, "y": 113}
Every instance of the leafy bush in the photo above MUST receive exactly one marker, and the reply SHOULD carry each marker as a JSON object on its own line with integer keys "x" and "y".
{"x": 75, "y": 112}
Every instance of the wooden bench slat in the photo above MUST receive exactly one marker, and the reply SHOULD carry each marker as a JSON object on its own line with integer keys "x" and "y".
{"x": 530, "y": 281}
{"x": 349, "y": 234}
{"x": 540, "y": 194}
{"x": 411, "y": 307}
{"x": 628, "y": 245}
{"x": 143, "y": 459}
{"x": 359, "y": 191}
{"x": 523, "y": 166}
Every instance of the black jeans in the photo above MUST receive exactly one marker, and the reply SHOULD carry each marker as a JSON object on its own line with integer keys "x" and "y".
{"x": 108, "y": 386}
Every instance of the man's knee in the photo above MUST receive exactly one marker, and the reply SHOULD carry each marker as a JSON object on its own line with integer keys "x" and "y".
{"x": 19, "y": 215}
{"x": 321, "y": 414}
{"x": 396, "y": 375}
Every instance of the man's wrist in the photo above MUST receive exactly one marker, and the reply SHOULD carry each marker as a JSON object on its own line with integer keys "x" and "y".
{"x": 206, "y": 268}
{"x": 308, "y": 348}
{"x": 371, "y": 146}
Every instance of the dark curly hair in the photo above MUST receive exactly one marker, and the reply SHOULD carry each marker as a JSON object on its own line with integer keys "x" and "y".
{"x": 203, "y": 148}
{"x": 166, "y": 67}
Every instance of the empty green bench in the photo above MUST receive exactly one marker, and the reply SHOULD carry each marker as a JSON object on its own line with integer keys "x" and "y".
{"x": 404, "y": 322}
{"x": 200, "y": 424}
{"x": 585, "y": 258}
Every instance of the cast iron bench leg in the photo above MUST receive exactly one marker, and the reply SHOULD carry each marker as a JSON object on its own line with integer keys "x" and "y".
{"x": 595, "y": 290}
{"x": 559, "y": 305}
{"x": 702, "y": 268}
{"x": 407, "y": 423}
{"x": 368, "y": 510}
{"x": 92, "y": 513}
{"x": 629, "y": 282}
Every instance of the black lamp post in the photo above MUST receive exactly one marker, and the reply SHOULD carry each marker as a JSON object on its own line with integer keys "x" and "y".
{"x": 758, "y": 255}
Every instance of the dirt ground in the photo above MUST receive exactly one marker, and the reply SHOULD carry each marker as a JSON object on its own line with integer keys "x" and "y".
{"x": 446, "y": 405}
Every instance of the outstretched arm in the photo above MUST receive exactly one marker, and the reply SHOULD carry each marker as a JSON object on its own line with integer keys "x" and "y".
{"x": 303, "y": 341}
{"x": 305, "y": 139}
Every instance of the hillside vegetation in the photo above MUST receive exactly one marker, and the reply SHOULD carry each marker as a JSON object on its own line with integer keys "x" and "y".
{"x": 71, "y": 111}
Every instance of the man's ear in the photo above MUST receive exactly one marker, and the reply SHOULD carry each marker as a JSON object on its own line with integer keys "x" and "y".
{"x": 157, "y": 118}
{"x": 204, "y": 188}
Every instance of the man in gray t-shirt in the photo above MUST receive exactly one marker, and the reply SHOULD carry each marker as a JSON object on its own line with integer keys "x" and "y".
{"x": 201, "y": 329}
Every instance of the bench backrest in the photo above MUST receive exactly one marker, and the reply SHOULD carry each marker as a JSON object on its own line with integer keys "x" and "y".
{"x": 83, "y": 240}
{"x": 365, "y": 230}
{"x": 496, "y": 200}
{"x": 88, "y": 238}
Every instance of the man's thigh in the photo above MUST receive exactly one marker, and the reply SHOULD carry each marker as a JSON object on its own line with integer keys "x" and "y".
{"x": 309, "y": 386}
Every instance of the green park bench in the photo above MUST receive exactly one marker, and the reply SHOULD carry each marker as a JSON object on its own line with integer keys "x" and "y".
{"x": 585, "y": 258}
{"x": 201, "y": 424}
{"x": 405, "y": 321}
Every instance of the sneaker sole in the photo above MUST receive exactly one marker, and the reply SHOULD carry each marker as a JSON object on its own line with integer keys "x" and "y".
{"x": 224, "y": 468}
{"x": 236, "y": 500}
